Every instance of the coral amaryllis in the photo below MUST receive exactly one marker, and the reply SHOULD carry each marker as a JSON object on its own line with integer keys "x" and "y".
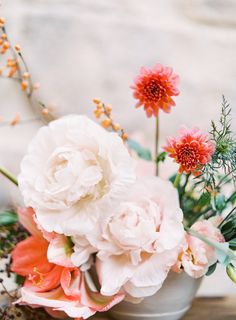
{"x": 61, "y": 290}
{"x": 154, "y": 88}
{"x": 192, "y": 150}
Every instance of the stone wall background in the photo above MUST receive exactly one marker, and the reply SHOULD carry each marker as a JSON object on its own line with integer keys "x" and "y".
{"x": 81, "y": 49}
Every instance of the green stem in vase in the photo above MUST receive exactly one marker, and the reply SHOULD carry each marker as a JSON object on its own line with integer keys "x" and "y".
{"x": 8, "y": 175}
{"x": 157, "y": 145}
{"x": 177, "y": 180}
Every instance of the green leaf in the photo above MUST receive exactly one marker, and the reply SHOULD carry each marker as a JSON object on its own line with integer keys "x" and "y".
{"x": 211, "y": 269}
{"x": 232, "y": 244}
{"x": 19, "y": 280}
{"x": 220, "y": 202}
{"x": 204, "y": 200}
{"x": 172, "y": 178}
{"x": 223, "y": 255}
{"x": 8, "y": 218}
{"x": 143, "y": 153}
{"x": 161, "y": 157}
{"x": 232, "y": 198}
{"x": 228, "y": 226}
{"x": 231, "y": 272}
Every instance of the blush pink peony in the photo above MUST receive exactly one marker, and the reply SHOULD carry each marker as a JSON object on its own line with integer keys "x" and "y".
{"x": 197, "y": 256}
{"x": 140, "y": 241}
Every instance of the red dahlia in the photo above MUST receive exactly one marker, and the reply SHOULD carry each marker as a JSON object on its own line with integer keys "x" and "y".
{"x": 154, "y": 88}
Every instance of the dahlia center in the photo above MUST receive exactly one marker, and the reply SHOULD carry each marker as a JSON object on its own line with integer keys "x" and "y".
{"x": 188, "y": 156}
{"x": 154, "y": 90}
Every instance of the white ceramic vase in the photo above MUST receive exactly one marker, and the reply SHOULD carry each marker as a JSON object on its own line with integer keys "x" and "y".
{"x": 171, "y": 302}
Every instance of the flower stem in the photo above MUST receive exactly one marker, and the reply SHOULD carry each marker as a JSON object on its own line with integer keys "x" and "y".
{"x": 9, "y": 176}
{"x": 177, "y": 180}
{"x": 157, "y": 145}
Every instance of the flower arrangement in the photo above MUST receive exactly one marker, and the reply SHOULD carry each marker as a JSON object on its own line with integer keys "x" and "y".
{"x": 92, "y": 231}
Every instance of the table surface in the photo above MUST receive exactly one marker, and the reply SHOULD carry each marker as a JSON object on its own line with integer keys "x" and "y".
{"x": 203, "y": 309}
{"x": 206, "y": 309}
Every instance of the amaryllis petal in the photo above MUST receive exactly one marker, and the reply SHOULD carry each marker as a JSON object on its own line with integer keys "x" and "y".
{"x": 56, "y": 300}
{"x": 41, "y": 282}
{"x": 29, "y": 254}
{"x": 96, "y": 300}
{"x": 27, "y": 219}
{"x": 60, "y": 250}
{"x": 71, "y": 282}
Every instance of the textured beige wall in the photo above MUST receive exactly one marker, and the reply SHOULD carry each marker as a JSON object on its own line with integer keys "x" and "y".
{"x": 79, "y": 49}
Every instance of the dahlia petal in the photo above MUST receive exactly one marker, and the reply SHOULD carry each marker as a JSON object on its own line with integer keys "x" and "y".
{"x": 154, "y": 87}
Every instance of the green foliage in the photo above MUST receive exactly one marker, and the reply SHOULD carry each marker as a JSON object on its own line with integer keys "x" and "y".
{"x": 142, "y": 153}
{"x": 219, "y": 202}
{"x": 8, "y": 218}
{"x": 228, "y": 226}
{"x": 19, "y": 279}
{"x": 224, "y": 157}
{"x": 161, "y": 157}
{"x": 211, "y": 269}
{"x": 10, "y": 234}
{"x": 232, "y": 244}
{"x": 231, "y": 272}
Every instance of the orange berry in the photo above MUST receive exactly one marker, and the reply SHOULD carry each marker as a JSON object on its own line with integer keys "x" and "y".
{"x": 124, "y": 136}
{"x": 6, "y": 45}
{"x": 98, "y": 113}
{"x": 45, "y": 111}
{"x": 116, "y": 127}
{"x": 15, "y": 120}
{"x": 12, "y": 72}
{"x": 96, "y": 101}
{"x": 24, "y": 85}
{"x": 106, "y": 123}
{"x": 11, "y": 63}
{"x": 4, "y": 36}
{"x": 17, "y": 47}
{"x": 26, "y": 75}
{"x": 2, "y": 21}
{"x": 108, "y": 109}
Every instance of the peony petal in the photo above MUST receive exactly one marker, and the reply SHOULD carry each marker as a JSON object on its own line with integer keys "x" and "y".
{"x": 113, "y": 273}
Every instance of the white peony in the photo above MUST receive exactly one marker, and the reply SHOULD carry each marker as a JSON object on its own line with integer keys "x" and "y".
{"x": 141, "y": 240}
{"x": 73, "y": 173}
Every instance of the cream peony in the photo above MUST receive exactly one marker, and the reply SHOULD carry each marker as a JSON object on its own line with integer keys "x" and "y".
{"x": 73, "y": 173}
{"x": 141, "y": 239}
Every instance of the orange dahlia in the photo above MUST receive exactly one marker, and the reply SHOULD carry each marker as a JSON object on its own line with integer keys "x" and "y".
{"x": 154, "y": 88}
{"x": 191, "y": 150}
